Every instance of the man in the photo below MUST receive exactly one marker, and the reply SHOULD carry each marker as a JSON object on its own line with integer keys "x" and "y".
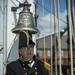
{"x": 26, "y": 64}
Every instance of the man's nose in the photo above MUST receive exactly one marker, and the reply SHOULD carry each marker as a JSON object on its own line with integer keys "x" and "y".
{"x": 29, "y": 48}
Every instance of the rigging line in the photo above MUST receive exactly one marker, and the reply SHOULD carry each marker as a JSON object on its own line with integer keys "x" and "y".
{"x": 53, "y": 13}
{"x": 70, "y": 32}
{"x": 5, "y": 2}
{"x": 18, "y": 1}
{"x": 13, "y": 3}
{"x": 55, "y": 23}
{"x": 51, "y": 38}
{"x": 15, "y": 12}
{"x": 59, "y": 40}
{"x": 10, "y": 47}
{"x": 74, "y": 6}
{"x": 72, "y": 18}
{"x": 72, "y": 14}
{"x": 44, "y": 31}
{"x": 1, "y": 10}
{"x": 36, "y": 1}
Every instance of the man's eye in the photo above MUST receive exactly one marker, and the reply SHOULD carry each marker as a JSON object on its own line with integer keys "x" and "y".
{"x": 31, "y": 46}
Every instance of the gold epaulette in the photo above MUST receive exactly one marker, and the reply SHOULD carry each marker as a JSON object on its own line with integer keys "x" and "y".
{"x": 47, "y": 66}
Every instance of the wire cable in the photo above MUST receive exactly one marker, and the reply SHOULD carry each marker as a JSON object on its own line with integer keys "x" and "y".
{"x": 13, "y": 3}
{"x": 1, "y": 10}
{"x": 18, "y": 1}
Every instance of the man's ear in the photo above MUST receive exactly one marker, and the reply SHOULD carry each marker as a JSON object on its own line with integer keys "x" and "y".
{"x": 19, "y": 51}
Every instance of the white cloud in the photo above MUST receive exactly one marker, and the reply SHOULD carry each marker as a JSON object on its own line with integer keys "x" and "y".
{"x": 44, "y": 22}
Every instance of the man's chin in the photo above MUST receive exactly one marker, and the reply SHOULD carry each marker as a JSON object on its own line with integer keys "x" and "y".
{"x": 28, "y": 59}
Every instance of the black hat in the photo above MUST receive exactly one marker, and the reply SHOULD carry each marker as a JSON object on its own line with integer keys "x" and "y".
{"x": 25, "y": 39}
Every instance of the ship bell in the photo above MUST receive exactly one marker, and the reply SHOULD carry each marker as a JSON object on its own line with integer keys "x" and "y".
{"x": 26, "y": 20}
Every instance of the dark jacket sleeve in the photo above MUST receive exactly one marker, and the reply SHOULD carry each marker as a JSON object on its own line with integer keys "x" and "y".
{"x": 14, "y": 68}
{"x": 9, "y": 70}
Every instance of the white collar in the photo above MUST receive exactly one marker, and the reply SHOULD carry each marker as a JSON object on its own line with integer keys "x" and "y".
{"x": 30, "y": 65}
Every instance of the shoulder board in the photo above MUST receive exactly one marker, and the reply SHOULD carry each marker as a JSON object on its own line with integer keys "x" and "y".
{"x": 47, "y": 66}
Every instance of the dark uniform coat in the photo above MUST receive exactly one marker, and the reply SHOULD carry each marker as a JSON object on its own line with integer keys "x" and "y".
{"x": 20, "y": 68}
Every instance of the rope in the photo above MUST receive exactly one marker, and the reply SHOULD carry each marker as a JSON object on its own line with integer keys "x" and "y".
{"x": 51, "y": 37}
{"x": 55, "y": 23}
{"x": 70, "y": 32}
{"x": 59, "y": 40}
{"x": 10, "y": 47}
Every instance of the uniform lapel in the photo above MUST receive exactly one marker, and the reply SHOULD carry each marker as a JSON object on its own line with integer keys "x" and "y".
{"x": 32, "y": 70}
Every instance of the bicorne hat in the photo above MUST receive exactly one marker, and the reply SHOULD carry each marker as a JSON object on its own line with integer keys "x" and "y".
{"x": 25, "y": 39}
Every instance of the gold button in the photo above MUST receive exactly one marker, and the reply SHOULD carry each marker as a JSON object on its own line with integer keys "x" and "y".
{"x": 25, "y": 73}
{"x": 36, "y": 72}
{"x": 24, "y": 68}
{"x": 23, "y": 64}
{"x": 35, "y": 68}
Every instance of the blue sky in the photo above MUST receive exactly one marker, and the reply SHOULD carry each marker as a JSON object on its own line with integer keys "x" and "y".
{"x": 44, "y": 20}
{"x": 47, "y": 5}
{"x": 46, "y": 16}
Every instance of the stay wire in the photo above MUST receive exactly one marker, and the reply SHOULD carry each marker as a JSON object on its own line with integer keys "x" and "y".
{"x": 18, "y": 1}
{"x": 1, "y": 10}
{"x": 13, "y": 3}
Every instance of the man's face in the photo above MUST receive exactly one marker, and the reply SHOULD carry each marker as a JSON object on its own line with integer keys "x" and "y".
{"x": 27, "y": 52}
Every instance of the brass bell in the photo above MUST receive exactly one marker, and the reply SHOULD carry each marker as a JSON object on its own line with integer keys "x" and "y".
{"x": 26, "y": 20}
